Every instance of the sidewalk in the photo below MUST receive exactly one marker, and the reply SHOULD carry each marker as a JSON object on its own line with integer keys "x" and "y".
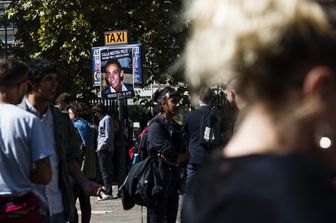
{"x": 112, "y": 211}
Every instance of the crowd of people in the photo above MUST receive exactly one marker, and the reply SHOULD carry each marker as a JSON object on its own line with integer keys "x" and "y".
{"x": 48, "y": 152}
{"x": 65, "y": 152}
{"x": 268, "y": 155}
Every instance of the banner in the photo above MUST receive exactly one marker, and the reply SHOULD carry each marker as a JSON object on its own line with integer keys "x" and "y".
{"x": 116, "y": 69}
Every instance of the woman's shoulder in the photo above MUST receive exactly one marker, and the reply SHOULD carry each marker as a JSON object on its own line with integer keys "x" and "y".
{"x": 265, "y": 180}
{"x": 260, "y": 174}
{"x": 261, "y": 167}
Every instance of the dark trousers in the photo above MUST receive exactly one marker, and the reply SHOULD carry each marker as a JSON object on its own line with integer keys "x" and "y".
{"x": 191, "y": 171}
{"x": 106, "y": 169}
{"x": 84, "y": 203}
{"x": 163, "y": 209}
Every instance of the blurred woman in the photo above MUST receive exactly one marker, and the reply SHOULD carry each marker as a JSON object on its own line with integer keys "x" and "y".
{"x": 77, "y": 111}
{"x": 277, "y": 167}
{"x": 165, "y": 141}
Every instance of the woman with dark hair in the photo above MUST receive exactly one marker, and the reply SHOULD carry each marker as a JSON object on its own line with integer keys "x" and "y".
{"x": 77, "y": 112}
{"x": 165, "y": 142}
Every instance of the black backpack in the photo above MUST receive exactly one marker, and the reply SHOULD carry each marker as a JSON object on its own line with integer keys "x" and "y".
{"x": 142, "y": 183}
{"x": 212, "y": 129}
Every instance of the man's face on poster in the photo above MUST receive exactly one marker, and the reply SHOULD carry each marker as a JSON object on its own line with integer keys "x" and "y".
{"x": 114, "y": 75}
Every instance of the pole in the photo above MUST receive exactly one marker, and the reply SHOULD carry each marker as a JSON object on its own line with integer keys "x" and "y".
{"x": 122, "y": 149}
{"x": 6, "y": 46}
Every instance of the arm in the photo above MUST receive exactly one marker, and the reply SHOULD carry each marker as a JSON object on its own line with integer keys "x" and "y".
{"x": 41, "y": 150}
{"x": 41, "y": 174}
{"x": 89, "y": 187}
{"x": 185, "y": 132}
{"x": 106, "y": 134}
{"x": 72, "y": 156}
{"x": 159, "y": 142}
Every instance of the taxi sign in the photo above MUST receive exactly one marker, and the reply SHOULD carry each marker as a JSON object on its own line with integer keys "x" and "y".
{"x": 115, "y": 37}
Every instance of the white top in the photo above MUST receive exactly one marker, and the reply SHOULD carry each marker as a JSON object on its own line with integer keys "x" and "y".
{"x": 50, "y": 195}
{"x": 105, "y": 138}
{"x": 22, "y": 141}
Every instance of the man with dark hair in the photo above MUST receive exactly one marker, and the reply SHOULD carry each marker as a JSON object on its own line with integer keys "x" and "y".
{"x": 114, "y": 78}
{"x": 57, "y": 197}
{"x": 192, "y": 135}
{"x": 24, "y": 152}
{"x": 191, "y": 132}
{"x": 105, "y": 148}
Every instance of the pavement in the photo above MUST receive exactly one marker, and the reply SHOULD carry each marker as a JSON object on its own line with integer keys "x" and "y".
{"x": 112, "y": 211}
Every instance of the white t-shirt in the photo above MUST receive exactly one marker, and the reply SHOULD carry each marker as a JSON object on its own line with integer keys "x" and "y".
{"x": 50, "y": 195}
{"x": 22, "y": 142}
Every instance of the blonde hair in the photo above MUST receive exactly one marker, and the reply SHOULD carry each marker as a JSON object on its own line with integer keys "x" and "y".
{"x": 252, "y": 41}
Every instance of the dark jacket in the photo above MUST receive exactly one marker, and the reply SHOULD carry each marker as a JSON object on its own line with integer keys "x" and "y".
{"x": 67, "y": 148}
{"x": 192, "y": 136}
{"x": 160, "y": 140}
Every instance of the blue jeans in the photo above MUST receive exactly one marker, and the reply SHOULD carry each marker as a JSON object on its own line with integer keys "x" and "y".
{"x": 106, "y": 169}
{"x": 191, "y": 171}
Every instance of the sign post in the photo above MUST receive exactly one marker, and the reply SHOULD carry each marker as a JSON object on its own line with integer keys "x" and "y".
{"x": 127, "y": 57}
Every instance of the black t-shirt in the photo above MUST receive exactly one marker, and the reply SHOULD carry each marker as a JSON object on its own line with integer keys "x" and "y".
{"x": 262, "y": 188}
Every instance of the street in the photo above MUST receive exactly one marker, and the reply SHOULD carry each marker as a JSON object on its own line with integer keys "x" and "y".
{"x": 112, "y": 211}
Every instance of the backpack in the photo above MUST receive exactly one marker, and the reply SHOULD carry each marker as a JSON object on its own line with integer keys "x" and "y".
{"x": 142, "y": 183}
{"x": 139, "y": 147}
{"x": 212, "y": 129}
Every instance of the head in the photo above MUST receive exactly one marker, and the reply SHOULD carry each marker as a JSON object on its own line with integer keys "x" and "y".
{"x": 205, "y": 95}
{"x": 233, "y": 95}
{"x": 63, "y": 100}
{"x": 42, "y": 79}
{"x": 77, "y": 110}
{"x": 168, "y": 100}
{"x": 114, "y": 74}
{"x": 99, "y": 110}
{"x": 13, "y": 80}
{"x": 281, "y": 54}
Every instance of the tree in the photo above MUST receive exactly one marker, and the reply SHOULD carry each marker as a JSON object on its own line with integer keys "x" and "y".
{"x": 65, "y": 31}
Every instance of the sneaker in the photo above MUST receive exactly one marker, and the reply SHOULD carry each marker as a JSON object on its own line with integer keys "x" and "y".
{"x": 104, "y": 197}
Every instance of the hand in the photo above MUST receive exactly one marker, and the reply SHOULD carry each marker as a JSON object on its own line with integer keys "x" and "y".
{"x": 164, "y": 159}
{"x": 91, "y": 188}
{"x": 183, "y": 157}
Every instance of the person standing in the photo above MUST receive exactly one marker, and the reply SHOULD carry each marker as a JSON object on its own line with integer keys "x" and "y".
{"x": 105, "y": 148}
{"x": 77, "y": 111}
{"x": 24, "y": 152}
{"x": 192, "y": 133}
{"x": 56, "y": 197}
{"x": 165, "y": 141}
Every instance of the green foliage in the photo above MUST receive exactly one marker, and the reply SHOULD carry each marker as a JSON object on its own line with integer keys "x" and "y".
{"x": 137, "y": 112}
{"x": 65, "y": 31}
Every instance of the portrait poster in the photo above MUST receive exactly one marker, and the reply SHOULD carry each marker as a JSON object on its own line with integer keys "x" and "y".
{"x": 130, "y": 73}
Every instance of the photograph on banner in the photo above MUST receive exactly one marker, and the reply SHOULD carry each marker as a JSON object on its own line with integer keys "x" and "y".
{"x": 116, "y": 72}
{"x": 129, "y": 58}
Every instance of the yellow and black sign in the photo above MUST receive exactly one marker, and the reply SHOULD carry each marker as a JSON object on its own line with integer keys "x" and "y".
{"x": 115, "y": 37}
